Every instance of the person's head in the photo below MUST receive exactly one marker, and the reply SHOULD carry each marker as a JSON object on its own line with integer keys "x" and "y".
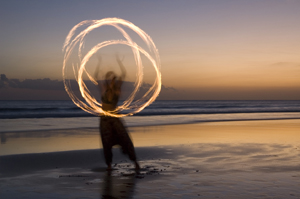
{"x": 110, "y": 76}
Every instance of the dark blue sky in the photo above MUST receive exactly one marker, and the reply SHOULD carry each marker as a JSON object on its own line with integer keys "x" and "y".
{"x": 202, "y": 44}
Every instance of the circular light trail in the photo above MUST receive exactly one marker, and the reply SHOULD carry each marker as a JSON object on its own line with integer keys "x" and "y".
{"x": 91, "y": 105}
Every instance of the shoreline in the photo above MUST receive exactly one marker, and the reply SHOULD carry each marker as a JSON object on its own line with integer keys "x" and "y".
{"x": 43, "y": 141}
{"x": 51, "y": 124}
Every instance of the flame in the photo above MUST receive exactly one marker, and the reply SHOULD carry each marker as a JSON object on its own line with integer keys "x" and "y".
{"x": 91, "y": 105}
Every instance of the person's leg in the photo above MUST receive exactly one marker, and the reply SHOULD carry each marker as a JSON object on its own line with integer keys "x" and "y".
{"x": 107, "y": 140}
{"x": 125, "y": 141}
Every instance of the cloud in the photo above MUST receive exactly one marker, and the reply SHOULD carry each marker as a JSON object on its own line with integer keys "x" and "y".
{"x": 47, "y": 89}
{"x": 285, "y": 64}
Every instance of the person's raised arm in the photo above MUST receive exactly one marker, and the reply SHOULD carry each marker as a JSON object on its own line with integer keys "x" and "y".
{"x": 96, "y": 74}
{"x": 123, "y": 71}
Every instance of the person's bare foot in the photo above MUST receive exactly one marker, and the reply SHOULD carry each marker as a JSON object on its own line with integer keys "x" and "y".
{"x": 137, "y": 166}
{"x": 108, "y": 167}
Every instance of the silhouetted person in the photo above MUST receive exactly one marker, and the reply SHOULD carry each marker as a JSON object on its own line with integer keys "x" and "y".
{"x": 112, "y": 129}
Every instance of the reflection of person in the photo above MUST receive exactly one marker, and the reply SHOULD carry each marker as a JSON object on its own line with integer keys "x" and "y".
{"x": 117, "y": 187}
{"x": 112, "y": 129}
{"x": 3, "y": 138}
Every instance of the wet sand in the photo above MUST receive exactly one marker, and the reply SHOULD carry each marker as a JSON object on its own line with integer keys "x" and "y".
{"x": 249, "y": 159}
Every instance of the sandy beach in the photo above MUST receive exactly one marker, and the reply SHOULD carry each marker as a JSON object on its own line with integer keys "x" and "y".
{"x": 238, "y": 159}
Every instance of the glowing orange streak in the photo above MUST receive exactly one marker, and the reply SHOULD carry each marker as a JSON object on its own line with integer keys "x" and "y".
{"x": 94, "y": 106}
{"x": 137, "y": 58}
{"x": 90, "y": 99}
{"x": 139, "y": 72}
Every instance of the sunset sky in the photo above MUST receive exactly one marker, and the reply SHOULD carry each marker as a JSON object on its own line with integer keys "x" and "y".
{"x": 216, "y": 49}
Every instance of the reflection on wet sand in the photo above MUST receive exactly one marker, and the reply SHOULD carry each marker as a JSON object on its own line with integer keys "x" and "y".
{"x": 3, "y": 138}
{"x": 117, "y": 187}
{"x": 209, "y": 170}
{"x": 279, "y": 131}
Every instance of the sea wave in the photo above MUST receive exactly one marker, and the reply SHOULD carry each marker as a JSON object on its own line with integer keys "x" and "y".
{"x": 66, "y": 109}
{"x": 37, "y": 124}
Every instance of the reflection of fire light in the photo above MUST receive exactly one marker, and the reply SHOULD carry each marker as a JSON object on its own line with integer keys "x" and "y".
{"x": 92, "y": 105}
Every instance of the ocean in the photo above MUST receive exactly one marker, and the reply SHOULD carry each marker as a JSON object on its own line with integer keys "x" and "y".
{"x": 48, "y": 115}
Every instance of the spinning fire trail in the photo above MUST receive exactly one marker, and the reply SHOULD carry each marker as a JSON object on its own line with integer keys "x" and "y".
{"x": 91, "y": 105}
